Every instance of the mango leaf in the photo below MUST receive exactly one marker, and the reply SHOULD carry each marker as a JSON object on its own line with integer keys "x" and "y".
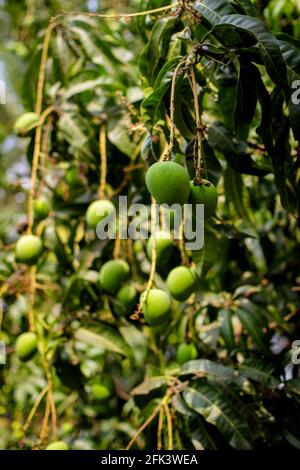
{"x": 202, "y": 436}
{"x": 151, "y": 107}
{"x": 213, "y": 370}
{"x": 149, "y": 384}
{"x": 216, "y": 408}
{"x": 118, "y": 134}
{"x": 105, "y": 337}
{"x": 236, "y": 193}
{"x": 213, "y": 10}
{"x": 73, "y": 134}
{"x": 226, "y": 330}
{"x": 220, "y": 138}
{"x": 247, "y": 6}
{"x": 259, "y": 371}
{"x": 246, "y": 96}
{"x": 267, "y": 42}
{"x": 254, "y": 327}
{"x": 159, "y": 43}
{"x": 291, "y": 438}
{"x": 181, "y": 407}
{"x": 291, "y": 55}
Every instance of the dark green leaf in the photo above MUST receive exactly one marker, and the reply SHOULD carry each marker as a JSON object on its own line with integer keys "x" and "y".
{"x": 217, "y": 409}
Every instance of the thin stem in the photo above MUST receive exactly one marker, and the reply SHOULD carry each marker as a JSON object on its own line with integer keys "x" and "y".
{"x": 114, "y": 16}
{"x": 199, "y": 128}
{"x": 35, "y": 407}
{"x": 103, "y": 157}
{"x": 117, "y": 246}
{"x": 169, "y": 424}
{"x": 172, "y": 111}
{"x": 32, "y": 289}
{"x": 144, "y": 425}
{"x": 159, "y": 428}
{"x": 35, "y": 164}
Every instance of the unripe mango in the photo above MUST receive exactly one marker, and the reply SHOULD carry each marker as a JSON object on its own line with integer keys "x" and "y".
{"x": 206, "y": 194}
{"x": 112, "y": 274}
{"x": 168, "y": 183}
{"x": 157, "y": 306}
{"x": 41, "y": 208}
{"x": 26, "y": 346}
{"x": 57, "y": 445}
{"x": 28, "y": 249}
{"x": 186, "y": 352}
{"x": 127, "y": 296}
{"x": 100, "y": 392}
{"x": 181, "y": 282}
{"x": 98, "y": 210}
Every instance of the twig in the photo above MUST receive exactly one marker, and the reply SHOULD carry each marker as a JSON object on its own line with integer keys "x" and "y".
{"x": 103, "y": 157}
{"x": 114, "y": 16}
{"x": 159, "y": 427}
{"x": 169, "y": 150}
{"x": 199, "y": 129}
{"x": 144, "y": 425}
{"x": 35, "y": 407}
{"x": 169, "y": 423}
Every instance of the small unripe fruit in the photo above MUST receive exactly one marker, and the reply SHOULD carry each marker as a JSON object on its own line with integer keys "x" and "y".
{"x": 164, "y": 244}
{"x": 168, "y": 183}
{"x": 127, "y": 296}
{"x": 57, "y": 445}
{"x": 73, "y": 177}
{"x": 26, "y": 346}
{"x": 181, "y": 282}
{"x": 157, "y": 306}
{"x": 206, "y": 194}
{"x": 186, "y": 352}
{"x": 100, "y": 392}
{"x": 99, "y": 210}
{"x": 41, "y": 209}
{"x": 26, "y": 123}
{"x": 112, "y": 274}
{"x": 28, "y": 249}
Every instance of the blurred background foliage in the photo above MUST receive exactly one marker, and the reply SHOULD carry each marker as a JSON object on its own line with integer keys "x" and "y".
{"x": 243, "y": 391}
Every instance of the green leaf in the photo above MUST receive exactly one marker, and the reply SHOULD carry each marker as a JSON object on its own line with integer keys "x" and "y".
{"x": 201, "y": 436}
{"x": 159, "y": 43}
{"x": 149, "y": 384}
{"x": 291, "y": 54}
{"x": 254, "y": 327}
{"x": 216, "y": 408}
{"x": 151, "y": 107}
{"x": 104, "y": 337}
{"x": 213, "y": 370}
{"x": 213, "y": 10}
{"x": 267, "y": 42}
{"x": 220, "y": 138}
{"x": 246, "y": 96}
{"x": 118, "y": 134}
{"x": 236, "y": 193}
{"x": 226, "y": 330}
{"x": 259, "y": 371}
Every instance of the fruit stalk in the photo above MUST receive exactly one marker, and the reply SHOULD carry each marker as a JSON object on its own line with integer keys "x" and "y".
{"x": 199, "y": 129}
{"x": 103, "y": 157}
